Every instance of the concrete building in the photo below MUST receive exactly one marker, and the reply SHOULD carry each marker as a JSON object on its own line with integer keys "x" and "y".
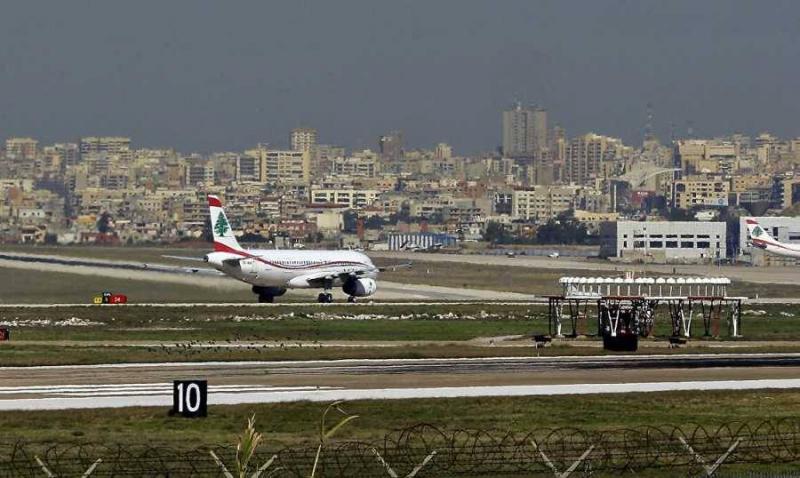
{"x": 110, "y": 145}
{"x": 542, "y": 203}
{"x": 524, "y": 131}
{"x": 391, "y": 146}
{"x": 21, "y": 149}
{"x": 199, "y": 172}
{"x": 593, "y": 220}
{"x": 286, "y": 167}
{"x": 700, "y": 191}
{"x": 304, "y": 139}
{"x": 274, "y": 167}
{"x": 248, "y": 168}
{"x": 696, "y": 156}
{"x": 664, "y": 241}
{"x": 351, "y": 198}
{"x": 69, "y": 154}
{"x": 443, "y": 151}
{"x": 586, "y": 157}
{"x": 363, "y": 164}
{"x": 786, "y": 191}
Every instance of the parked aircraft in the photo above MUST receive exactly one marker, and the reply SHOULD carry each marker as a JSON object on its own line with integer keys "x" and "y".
{"x": 760, "y": 238}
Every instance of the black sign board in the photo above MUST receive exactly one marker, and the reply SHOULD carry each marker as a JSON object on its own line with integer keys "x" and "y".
{"x": 190, "y": 398}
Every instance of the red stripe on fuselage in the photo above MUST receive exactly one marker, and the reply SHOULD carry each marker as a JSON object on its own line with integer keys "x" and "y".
{"x": 219, "y": 247}
{"x": 774, "y": 244}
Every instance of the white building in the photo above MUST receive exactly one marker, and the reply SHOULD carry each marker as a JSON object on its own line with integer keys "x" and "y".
{"x": 664, "y": 241}
{"x": 542, "y": 203}
{"x": 351, "y": 198}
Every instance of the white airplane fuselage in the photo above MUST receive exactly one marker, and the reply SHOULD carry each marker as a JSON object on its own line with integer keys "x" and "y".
{"x": 781, "y": 249}
{"x": 761, "y": 239}
{"x": 287, "y": 268}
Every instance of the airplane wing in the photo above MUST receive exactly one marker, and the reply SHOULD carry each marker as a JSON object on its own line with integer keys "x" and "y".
{"x": 320, "y": 279}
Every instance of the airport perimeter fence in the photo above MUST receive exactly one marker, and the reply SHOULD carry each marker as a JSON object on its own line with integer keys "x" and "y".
{"x": 734, "y": 450}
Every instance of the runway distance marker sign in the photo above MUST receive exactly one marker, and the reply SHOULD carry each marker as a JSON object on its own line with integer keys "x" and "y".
{"x": 190, "y": 398}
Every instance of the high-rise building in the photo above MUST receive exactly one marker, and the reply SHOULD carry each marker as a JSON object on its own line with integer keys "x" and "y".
{"x": 304, "y": 139}
{"x": 586, "y": 154}
{"x": 69, "y": 154}
{"x": 111, "y": 145}
{"x": 391, "y": 146}
{"x": 540, "y": 131}
{"x": 285, "y": 167}
{"x": 443, "y": 151}
{"x": 21, "y": 149}
{"x": 524, "y": 131}
{"x": 274, "y": 167}
{"x": 698, "y": 156}
{"x": 199, "y": 171}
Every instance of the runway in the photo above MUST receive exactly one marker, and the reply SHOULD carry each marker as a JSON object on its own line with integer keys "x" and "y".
{"x": 762, "y": 275}
{"x": 123, "y": 385}
{"x": 387, "y": 291}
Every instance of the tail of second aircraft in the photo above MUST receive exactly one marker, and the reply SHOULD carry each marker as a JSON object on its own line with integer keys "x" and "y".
{"x": 224, "y": 240}
{"x": 758, "y": 236}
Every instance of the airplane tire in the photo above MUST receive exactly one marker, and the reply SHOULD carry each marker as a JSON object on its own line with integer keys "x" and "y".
{"x": 265, "y": 299}
{"x": 351, "y": 299}
{"x": 324, "y": 298}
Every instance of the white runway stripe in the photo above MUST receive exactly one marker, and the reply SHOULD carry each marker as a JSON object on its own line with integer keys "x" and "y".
{"x": 328, "y": 395}
{"x": 138, "y": 389}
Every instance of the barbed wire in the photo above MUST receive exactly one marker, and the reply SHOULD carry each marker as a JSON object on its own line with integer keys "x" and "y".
{"x": 459, "y": 452}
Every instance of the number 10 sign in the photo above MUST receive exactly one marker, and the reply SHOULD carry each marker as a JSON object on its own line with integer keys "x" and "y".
{"x": 190, "y": 398}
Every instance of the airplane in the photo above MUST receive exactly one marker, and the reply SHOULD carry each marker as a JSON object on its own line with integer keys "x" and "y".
{"x": 763, "y": 240}
{"x": 272, "y": 272}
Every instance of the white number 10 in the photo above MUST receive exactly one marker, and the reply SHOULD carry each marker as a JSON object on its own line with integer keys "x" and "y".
{"x": 192, "y": 403}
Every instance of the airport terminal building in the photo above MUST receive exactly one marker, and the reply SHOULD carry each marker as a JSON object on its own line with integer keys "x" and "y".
{"x": 664, "y": 241}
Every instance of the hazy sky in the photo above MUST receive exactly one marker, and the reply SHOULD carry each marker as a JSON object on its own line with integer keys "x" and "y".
{"x": 223, "y": 75}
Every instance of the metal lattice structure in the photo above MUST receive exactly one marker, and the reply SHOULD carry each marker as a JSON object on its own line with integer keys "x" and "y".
{"x": 624, "y": 306}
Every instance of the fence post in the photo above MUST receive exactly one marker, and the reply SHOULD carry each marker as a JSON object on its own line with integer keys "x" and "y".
{"x": 413, "y": 473}
{"x": 569, "y": 470}
{"x": 711, "y": 469}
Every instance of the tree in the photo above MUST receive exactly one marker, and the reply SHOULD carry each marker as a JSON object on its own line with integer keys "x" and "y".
{"x": 562, "y": 232}
{"x": 374, "y": 222}
{"x": 104, "y": 223}
{"x": 207, "y": 236}
{"x": 496, "y": 233}
{"x": 349, "y": 220}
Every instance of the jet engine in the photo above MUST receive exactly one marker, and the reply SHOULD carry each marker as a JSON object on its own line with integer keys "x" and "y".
{"x": 273, "y": 291}
{"x": 360, "y": 287}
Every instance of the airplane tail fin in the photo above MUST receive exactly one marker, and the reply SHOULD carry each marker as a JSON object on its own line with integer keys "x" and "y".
{"x": 224, "y": 240}
{"x": 758, "y": 234}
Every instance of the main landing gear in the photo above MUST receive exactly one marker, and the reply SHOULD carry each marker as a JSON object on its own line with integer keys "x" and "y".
{"x": 325, "y": 298}
{"x": 266, "y": 295}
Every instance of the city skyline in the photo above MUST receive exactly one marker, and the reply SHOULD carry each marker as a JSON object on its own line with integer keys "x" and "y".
{"x": 203, "y": 77}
